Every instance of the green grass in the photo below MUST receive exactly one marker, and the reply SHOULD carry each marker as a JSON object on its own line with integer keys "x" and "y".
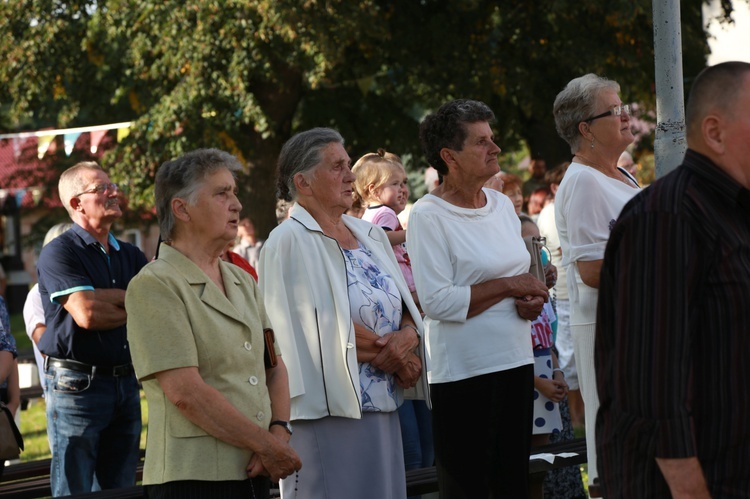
{"x": 18, "y": 329}
{"x": 34, "y": 430}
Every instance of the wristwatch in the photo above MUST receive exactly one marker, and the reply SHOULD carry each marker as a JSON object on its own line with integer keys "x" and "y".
{"x": 286, "y": 424}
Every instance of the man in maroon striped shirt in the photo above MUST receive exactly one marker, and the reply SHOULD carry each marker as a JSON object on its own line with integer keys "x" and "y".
{"x": 673, "y": 328}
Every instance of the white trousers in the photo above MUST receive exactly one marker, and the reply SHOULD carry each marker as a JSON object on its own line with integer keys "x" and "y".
{"x": 583, "y": 343}
{"x": 564, "y": 345}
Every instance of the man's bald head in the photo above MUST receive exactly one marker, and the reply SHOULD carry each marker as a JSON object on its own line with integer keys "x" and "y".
{"x": 716, "y": 89}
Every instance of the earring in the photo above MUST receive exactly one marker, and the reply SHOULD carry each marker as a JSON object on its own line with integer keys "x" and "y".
{"x": 592, "y": 143}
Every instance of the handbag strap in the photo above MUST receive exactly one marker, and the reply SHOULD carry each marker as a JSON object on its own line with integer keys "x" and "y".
{"x": 534, "y": 246}
{"x": 12, "y": 422}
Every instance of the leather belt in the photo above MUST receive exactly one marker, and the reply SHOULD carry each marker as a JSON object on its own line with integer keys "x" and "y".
{"x": 74, "y": 365}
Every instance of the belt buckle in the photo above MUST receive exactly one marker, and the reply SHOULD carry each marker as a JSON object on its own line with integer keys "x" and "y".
{"x": 73, "y": 365}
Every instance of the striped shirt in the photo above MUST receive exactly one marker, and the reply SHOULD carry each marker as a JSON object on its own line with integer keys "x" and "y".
{"x": 673, "y": 335}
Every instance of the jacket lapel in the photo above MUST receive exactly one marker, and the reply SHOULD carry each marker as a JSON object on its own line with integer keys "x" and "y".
{"x": 364, "y": 234}
{"x": 214, "y": 298}
{"x": 200, "y": 283}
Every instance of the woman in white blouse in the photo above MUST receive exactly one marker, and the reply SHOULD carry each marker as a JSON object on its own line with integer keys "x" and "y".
{"x": 471, "y": 272}
{"x": 590, "y": 116}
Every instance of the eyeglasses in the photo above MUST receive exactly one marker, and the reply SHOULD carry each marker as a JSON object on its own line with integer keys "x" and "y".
{"x": 616, "y": 111}
{"x": 99, "y": 189}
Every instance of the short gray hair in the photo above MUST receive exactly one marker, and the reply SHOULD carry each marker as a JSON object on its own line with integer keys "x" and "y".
{"x": 576, "y": 103}
{"x": 71, "y": 183}
{"x": 182, "y": 178}
{"x": 55, "y": 231}
{"x": 301, "y": 154}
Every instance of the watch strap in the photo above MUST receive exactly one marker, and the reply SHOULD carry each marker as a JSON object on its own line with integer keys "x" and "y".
{"x": 285, "y": 424}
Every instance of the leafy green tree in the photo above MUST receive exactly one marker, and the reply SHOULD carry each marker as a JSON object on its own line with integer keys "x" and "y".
{"x": 243, "y": 76}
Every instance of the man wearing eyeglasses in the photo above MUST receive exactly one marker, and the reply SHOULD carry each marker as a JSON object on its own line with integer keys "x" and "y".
{"x": 93, "y": 404}
{"x": 672, "y": 340}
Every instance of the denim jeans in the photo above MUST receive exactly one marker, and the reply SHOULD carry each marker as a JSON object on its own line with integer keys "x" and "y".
{"x": 416, "y": 433}
{"x": 94, "y": 427}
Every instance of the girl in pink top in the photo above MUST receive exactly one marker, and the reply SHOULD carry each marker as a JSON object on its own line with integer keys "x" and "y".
{"x": 381, "y": 189}
{"x": 381, "y": 186}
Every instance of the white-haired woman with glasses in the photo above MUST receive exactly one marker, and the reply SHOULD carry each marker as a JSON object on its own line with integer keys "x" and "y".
{"x": 590, "y": 116}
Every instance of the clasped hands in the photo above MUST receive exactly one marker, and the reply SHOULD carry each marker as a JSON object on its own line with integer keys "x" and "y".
{"x": 553, "y": 389}
{"x": 276, "y": 459}
{"x": 531, "y": 295}
{"x": 397, "y": 356}
{"x": 392, "y": 353}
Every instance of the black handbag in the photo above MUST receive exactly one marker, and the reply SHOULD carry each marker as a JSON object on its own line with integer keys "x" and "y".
{"x": 11, "y": 441}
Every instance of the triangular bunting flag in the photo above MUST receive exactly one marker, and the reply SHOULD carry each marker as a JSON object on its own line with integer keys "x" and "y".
{"x": 122, "y": 133}
{"x": 44, "y": 143}
{"x": 96, "y": 138}
{"x": 36, "y": 195}
{"x": 16, "y": 142}
{"x": 20, "y": 193}
{"x": 365, "y": 84}
{"x": 70, "y": 142}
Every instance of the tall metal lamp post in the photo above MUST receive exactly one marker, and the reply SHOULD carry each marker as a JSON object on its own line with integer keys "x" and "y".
{"x": 670, "y": 143}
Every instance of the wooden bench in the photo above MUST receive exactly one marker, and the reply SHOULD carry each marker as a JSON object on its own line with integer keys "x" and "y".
{"x": 26, "y": 489}
{"x": 125, "y": 493}
{"x": 424, "y": 480}
{"x": 40, "y": 488}
{"x": 30, "y": 393}
{"x": 30, "y": 480}
{"x": 576, "y": 446}
{"x": 22, "y": 471}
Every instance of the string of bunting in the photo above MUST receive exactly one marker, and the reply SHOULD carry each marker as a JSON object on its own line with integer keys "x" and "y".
{"x": 70, "y": 135}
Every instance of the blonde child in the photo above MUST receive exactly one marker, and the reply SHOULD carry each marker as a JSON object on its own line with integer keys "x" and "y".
{"x": 381, "y": 188}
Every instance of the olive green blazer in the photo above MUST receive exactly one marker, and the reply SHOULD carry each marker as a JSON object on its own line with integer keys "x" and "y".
{"x": 177, "y": 317}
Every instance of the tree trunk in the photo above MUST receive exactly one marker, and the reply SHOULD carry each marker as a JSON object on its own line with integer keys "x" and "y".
{"x": 279, "y": 99}
{"x": 543, "y": 141}
{"x": 258, "y": 187}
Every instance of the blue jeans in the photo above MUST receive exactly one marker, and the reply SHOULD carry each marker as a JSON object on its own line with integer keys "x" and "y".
{"x": 416, "y": 433}
{"x": 94, "y": 427}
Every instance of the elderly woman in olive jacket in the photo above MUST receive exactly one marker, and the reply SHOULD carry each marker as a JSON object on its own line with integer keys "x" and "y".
{"x": 218, "y": 417}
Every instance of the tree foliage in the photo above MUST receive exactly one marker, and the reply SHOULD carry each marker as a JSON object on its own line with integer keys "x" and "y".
{"x": 243, "y": 76}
